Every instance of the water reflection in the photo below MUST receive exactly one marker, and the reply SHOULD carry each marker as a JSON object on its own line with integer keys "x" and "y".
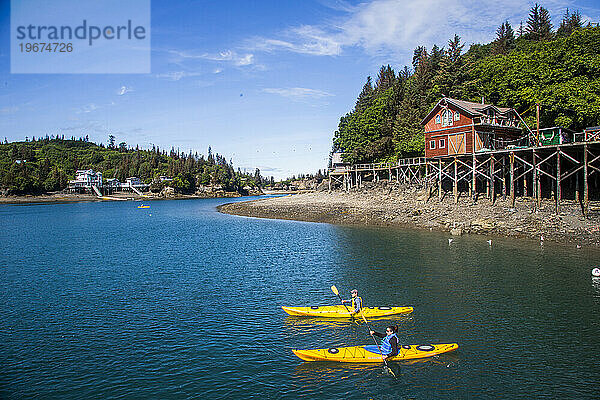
{"x": 596, "y": 286}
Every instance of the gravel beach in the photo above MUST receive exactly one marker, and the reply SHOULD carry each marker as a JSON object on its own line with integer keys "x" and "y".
{"x": 390, "y": 204}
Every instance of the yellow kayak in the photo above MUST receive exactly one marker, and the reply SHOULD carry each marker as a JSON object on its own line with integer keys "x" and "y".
{"x": 370, "y": 353}
{"x": 339, "y": 311}
{"x": 143, "y": 206}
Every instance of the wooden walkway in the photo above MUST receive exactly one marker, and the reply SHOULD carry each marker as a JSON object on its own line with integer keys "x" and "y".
{"x": 564, "y": 171}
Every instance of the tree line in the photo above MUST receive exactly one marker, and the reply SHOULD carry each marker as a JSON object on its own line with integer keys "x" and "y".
{"x": 47, "y": 164}
{"x": 560, "y": 69}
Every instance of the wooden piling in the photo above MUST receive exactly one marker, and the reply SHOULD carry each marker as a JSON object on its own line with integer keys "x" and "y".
{"x": 455, "y": 186}
{"x": 586, "y": 198}
{"x": 512, "y": 179}
{"x": 474, "y": 177}
{"x": 558, "y": 181}
{"x": 492, "y": 183}
{"x": 504, "y": 177}
{"x": 426, "y": 175}
{"x": 440, "y": 179}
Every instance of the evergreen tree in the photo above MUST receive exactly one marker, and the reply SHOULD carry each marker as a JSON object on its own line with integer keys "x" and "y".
{"x": 365, "y": 98}
{"x": 454, "y": 48}
{"x": 505, "y": 39}
{"x": 539, "y": 25}
{"x": 385, "y": 79}
{"x": 419, "y": 56}
{"x": 569, "y": 23}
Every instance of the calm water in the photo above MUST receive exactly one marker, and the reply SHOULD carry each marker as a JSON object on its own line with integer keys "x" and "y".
{"x": 178, "y": 301}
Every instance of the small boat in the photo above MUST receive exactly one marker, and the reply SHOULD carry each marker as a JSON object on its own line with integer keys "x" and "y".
{"x": 340, "y": 311}
{"x": 143, "y": 206}
{"x": 370, "y": 353}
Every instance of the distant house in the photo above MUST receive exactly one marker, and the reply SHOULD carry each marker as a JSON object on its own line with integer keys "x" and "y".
{"x": 133, "y": 182}
{"x": 163, "y": 178}
{"x": 86, "y": 178}
{"x": 464, "y": 127}
{"x": 112, "y": 183}
{"x": 337, "y": 163}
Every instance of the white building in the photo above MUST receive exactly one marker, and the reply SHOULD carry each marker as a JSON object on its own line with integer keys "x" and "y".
{"x": 86, "y": 178}
{"x": 133, "y": 182}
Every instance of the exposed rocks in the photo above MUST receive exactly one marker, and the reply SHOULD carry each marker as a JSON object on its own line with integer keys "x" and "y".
{"x": 388, "y": 203}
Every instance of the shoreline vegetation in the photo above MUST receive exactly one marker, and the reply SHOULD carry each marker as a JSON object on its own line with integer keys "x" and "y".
{"x": 391, "y": 204}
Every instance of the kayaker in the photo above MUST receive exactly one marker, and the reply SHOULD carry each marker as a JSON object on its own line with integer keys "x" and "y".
{"x": 355, "y": 301}
{"x": 390, "y": 343}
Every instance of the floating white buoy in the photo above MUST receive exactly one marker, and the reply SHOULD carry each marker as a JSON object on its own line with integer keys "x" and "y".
{"x": 596, "y": 272}
{"x": 450, "y": 241}
{"x": 490, "y": 242}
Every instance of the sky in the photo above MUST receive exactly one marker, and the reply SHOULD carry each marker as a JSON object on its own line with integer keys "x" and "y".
{"x": 264, "y": 83}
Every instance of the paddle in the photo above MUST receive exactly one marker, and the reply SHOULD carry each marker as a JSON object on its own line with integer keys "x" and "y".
{"x": 335, "y": 290}
{"x": 377, "y": 344}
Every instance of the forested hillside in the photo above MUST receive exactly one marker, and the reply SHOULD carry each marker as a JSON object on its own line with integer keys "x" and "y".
{"x": 560, "y": 69}
{"x": 45, "y": 165}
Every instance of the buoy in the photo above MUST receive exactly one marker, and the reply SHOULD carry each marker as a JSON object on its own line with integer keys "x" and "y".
{"x": 596, "y": 272}
{"x": 450, "y": 241}
{"x": 490, "y": 242}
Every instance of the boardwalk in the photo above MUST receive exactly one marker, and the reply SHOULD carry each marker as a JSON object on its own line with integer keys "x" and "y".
{"x": 562, "y": 171}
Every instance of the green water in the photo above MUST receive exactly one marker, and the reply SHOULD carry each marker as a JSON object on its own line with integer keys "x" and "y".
{"x": 104, "y": 300}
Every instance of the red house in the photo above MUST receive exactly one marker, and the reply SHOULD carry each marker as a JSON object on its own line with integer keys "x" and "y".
{"x": 463, "y": 127}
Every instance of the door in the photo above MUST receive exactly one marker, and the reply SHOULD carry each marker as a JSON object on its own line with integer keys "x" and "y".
{"x": 456, "y": 144}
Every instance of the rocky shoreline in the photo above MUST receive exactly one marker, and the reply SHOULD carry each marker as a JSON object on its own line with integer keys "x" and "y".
{"x": 77, "y": 197}
{"x": 390, "y": 204}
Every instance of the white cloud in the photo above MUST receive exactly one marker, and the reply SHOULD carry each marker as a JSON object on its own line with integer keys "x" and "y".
{"x": 177, "y": 75}
{"x": 123, "y": 90}
{"x": 231, "y": 56}
{"x": 395, "y": 27}
{"x": 88, "y": 108}
{"x": 305, "y": 40}
{"x": 298, "y": 93}
{"x": 227, "y": 55}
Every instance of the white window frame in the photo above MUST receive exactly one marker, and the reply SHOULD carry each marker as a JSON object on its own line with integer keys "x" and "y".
{"x": 442, "y": 144}
{"x": 432, "y": 144}
{"x": 437, "y": 119}
{"x": 456, "y": 116}
{"x": 447, "y": 117}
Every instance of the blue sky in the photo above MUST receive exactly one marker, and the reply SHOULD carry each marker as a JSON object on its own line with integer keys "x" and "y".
{"x": 262, "y": 82}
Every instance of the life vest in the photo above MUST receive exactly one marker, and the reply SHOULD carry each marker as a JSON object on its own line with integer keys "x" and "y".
{"x": 354, "y": 304}
{"x": 386, "y": 347}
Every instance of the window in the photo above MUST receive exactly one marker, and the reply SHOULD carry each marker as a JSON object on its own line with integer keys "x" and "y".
{"x": 437, "y": 119}
{"x": 447, "y": 117}
{"x": 442, "y": 143}
{"x": 456, "y": 116}
{"x": 432, "y": 144}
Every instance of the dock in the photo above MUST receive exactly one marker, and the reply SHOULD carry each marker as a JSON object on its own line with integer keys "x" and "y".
{"x": 561, "y": 171}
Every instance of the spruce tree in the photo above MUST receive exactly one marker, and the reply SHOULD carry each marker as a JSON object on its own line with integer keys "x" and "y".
{"x": 365, "y": 98}
{"x": 385, "y": 79}
{"x": 539, "y": 26}
{"x": 569, "y": 23}
{"x": 454, "y": 48}
{"x": 505, "y": 39}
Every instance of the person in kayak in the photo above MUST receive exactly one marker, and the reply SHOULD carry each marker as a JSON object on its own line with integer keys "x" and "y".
{"x": 390, "y": 344}
{"x": 355, "y": 301}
